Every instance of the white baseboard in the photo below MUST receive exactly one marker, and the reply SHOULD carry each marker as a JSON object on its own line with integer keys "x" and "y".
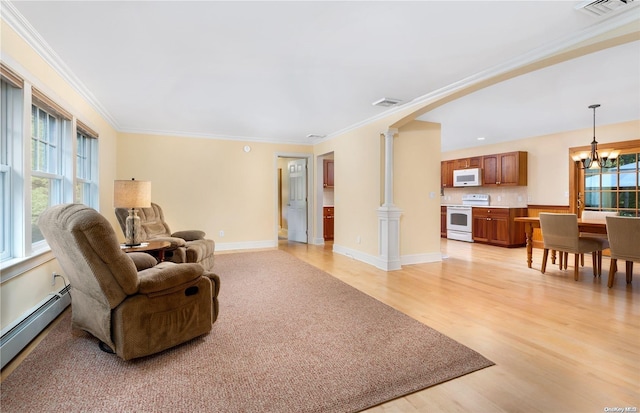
{"x": 23, "y": 331}
{"x": 318, "y": 241}
{"x": 387, "y": 266}
{"x": 366, "y": 258}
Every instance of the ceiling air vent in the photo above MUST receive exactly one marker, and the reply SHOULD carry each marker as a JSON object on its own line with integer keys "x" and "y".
{"x": 603, "y": 7}
{"x": 386, "y": 102}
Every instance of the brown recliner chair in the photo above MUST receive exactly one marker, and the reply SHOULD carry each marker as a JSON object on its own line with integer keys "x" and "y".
{"x": 186, "y": 246}
{"x": 132, "y": 305}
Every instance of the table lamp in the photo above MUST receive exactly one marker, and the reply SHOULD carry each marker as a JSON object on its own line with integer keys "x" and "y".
{"x": 131, "y": 195}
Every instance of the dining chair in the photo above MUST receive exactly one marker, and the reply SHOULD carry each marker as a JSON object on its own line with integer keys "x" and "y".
{"x": 624, "y": 243}
{"x": 596, "y": 216}
{"x": 560, "y": 233}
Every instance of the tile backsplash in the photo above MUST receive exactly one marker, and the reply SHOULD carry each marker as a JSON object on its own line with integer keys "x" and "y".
{"x": 514, "y": 196}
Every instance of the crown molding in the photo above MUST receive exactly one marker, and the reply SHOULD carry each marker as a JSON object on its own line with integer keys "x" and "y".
{"x": 20, "y": 25}
{"x": 198, "y": 135}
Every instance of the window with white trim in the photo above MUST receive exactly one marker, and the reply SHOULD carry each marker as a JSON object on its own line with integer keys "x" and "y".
{"x": 47, "y": 178}
{"x": 10, "y": 132}
{"x": 86, "y": 168}
{"x": 44, "y": 161}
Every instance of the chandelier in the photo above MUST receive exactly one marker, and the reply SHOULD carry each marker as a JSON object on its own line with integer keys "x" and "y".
{"x": 604, "y": 159}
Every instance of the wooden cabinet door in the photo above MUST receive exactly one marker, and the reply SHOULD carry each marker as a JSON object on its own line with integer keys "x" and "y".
{"x": 490, "y": 170}
{"x": 460, "y": 164}
{"x": 328, "y": 173}
{"x": 475, "y": 162}
{"x": 446, "y": 174}
{"x": 505, "y": 169}
{"x": 466, "y": 163}
{"x": 480, "y": 227}
{"x": 328, "y": 222}
{"x": 513, "y": 168}
{"x": 443, "y": 221}
{"x": 499, "y": 227}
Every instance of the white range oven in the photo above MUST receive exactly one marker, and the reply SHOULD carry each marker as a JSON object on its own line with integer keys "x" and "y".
{"x": 460, "y": 217}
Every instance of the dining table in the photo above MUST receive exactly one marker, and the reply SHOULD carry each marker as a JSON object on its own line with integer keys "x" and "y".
{"x": 593, "y": 227}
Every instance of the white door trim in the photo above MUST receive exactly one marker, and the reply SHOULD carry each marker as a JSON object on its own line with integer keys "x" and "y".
{"x": 311, "y": 202}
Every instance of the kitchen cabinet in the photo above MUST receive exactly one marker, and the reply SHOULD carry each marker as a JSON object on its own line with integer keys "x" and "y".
{"x": 446, "y": 174}
{"x": 327, "y": 215}
{"x": 504, "y": 169}
{"x": 443, "y": 221}
{"x": 497, "y": 226}
{"x": 447, "y": 168}
{"x": 466, "y": 163}
{"x": 328, "y": 173}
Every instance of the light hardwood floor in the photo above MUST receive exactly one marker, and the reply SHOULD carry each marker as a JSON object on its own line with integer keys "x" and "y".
{"x": 559, "y": 345}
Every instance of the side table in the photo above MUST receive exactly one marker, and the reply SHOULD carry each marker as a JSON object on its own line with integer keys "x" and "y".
{"x": 149, "y": 246}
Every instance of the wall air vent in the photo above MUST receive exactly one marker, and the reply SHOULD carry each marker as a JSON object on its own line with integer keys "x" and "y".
{"x": 603, "y": 7}
{"x": 386, "y": 102}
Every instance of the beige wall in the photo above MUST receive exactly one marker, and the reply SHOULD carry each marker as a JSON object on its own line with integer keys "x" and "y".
{"x": 21, "y": 293}
{"x": 417, "y": 190}
{"x": 359, "y": 188}
{"x": 209, "y": 184}
{"x": 548, "y": 160}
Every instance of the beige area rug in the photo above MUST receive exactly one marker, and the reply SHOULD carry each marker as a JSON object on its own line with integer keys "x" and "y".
{"x": 289, "y": 338}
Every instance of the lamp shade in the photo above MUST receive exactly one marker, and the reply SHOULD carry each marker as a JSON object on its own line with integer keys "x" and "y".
{"x": 132, "y": 194}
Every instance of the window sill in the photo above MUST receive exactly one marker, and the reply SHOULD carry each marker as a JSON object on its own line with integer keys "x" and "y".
{"x": 16, "y": 266}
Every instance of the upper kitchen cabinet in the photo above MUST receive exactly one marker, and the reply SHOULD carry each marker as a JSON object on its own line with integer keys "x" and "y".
{"x": 446, "y": 173}
{"x": 466, "y": 163}
{"x": 447, "y": 168}
{"x": 328, "y": 173}
{"x": 505, "y": 169}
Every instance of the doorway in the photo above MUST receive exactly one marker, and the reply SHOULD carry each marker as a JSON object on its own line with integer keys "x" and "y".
{"x": 326, "y": 184}
{"x": 293, "y": 180}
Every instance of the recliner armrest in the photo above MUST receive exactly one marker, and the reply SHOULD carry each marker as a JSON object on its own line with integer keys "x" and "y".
{"x": 167, "y": 276}
{"x": 142, "y": 260}
{"x": 176, "y": 242}
{"x": 190, "y": 235}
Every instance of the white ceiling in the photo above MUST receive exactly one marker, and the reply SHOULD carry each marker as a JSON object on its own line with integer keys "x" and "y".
{"x": 278, "y": 71}
{"x": 551, "y": 100}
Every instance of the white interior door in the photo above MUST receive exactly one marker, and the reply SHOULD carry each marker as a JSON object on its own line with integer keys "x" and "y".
{"x": 297, "y": 213}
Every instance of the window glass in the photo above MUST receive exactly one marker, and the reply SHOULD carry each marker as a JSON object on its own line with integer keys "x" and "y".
{"x": 46, "y": 170}
{"x": 86, "y": 189}
{"x": 40, "y": 200}
{"x": 10, "y": 128}
{"x": 614, "y": 187}
{"x": 592, "y": 200}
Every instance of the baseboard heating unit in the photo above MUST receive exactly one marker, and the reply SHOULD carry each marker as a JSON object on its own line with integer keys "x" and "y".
{"x": 19, "y": 335}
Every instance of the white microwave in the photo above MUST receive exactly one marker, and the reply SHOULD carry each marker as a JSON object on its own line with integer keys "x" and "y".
{"x": 467, "y": 177}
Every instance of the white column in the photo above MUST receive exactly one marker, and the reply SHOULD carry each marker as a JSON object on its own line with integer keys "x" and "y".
{"x": 388, "y": 166}
{"x": 389, "y": 214}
